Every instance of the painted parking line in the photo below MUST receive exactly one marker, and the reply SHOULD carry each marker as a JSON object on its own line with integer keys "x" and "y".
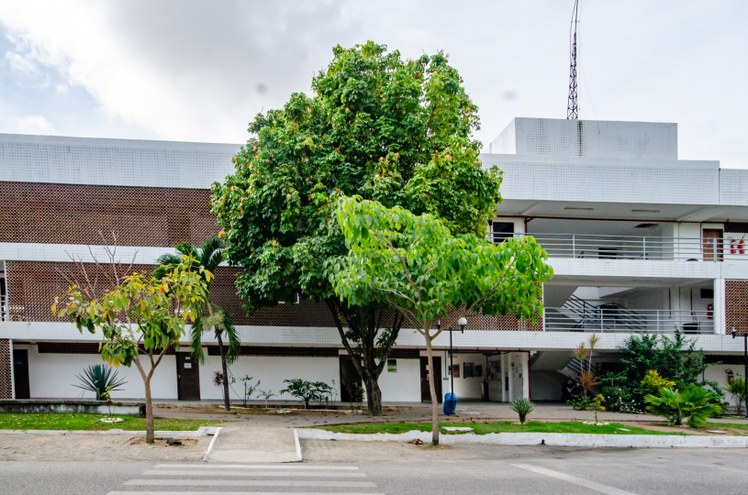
{"x": 592, "y": 485}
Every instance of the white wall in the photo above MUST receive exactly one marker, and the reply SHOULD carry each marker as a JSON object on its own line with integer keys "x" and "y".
{"x": 466, "y": 388}
{"x": 54, "y": 376}
{"x": 271, "y": 371}
{"x": 404, "y": 385}
{"x": 716, "y": 373}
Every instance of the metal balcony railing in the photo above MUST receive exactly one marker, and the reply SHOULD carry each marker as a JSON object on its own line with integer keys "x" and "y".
{"x": 3, "y": 308}
{"x": 617, "y": 319}
{"x": 592, "y": 246}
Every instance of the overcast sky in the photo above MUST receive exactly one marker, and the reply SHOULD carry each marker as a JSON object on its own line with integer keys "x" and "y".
{"x": 200, "y": 70}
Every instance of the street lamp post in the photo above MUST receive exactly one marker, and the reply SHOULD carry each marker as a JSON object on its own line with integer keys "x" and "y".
{"x": 450, "y": 400}
{"x": 745, "y": 366}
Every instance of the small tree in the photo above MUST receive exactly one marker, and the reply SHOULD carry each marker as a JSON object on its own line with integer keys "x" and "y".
{"x": 211, "y": 316}
{"x": 415, "y": 265}
{"x": 737, "y": 392}
{"x": 140, "y": 319}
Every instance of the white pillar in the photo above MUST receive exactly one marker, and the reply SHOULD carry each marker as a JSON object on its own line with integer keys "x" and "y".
{"x": 504, "y": 377}
{"x": 510, "y": 374}
{"x": 719, "y": 307}
{"x": 525, "y": 359}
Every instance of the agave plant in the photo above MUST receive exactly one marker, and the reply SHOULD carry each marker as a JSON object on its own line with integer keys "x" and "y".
{"x": 100, "y": 379}
{"x": 522, "y": 406}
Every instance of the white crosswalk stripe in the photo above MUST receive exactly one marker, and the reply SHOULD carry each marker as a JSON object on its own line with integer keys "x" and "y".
{"x": 226, "y": 479}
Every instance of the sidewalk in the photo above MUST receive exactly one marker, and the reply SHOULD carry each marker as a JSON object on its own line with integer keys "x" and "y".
{"x": 259, "y": 435}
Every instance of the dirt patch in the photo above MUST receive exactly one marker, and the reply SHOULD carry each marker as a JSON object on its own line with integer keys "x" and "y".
{"x": 101, "y": 447}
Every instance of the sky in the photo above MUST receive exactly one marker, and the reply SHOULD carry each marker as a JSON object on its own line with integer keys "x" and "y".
{"x": 199, "y": 70}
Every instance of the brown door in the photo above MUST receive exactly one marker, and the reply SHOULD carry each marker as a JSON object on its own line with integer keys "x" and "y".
{"x": 425, "y": 394}
{"x": 21, "y": 373}
{"x": 711, "y": 244}
{"x": 188, "y": 377}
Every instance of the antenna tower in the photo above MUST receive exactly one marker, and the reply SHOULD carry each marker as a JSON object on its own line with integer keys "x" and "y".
{"x": 572, "y": 108}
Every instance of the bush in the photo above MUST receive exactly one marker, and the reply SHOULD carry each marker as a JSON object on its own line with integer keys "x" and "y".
{"x": 580, "y": 403}
{"x": 522, "y": 406}
{"x": 653, "y": 382}
{"x": 694, "y": 402}
{"x": 100, "y": 379}
{"x": 307, "y": 391}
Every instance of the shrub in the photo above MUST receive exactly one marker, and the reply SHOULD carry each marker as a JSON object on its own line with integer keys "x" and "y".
{"x": 653, "y": 382}
{"x": 100, "y": 379}
{"x": 737, "y": 392}
{"x": 307, "y": 391}
{"x": 694, "y": 402}
{"x": 522, "y": 406}
{"x": 580, "y": 403}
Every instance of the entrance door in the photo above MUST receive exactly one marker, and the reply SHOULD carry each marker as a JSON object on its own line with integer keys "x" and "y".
{"x": 425, "y": 395}
{"x": 188, "y": 377}
{"x": 350, "y": 382}
{"x": 712, "y": 244}
{"x": 21, "y": 373}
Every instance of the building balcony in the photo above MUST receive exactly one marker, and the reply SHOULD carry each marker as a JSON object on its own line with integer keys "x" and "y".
{"x": 625, "y": 247}
{"x": 612, "y": 318}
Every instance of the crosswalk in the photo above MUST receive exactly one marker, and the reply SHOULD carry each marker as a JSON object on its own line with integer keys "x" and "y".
{"x": 230, "y": 479}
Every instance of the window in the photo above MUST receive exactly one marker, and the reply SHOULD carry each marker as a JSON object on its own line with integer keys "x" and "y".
{"x": 501, "y": 231}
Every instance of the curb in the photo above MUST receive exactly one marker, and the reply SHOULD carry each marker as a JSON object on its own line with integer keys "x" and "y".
{"x": 202, "y": 431}
{"x": 297, "y": 444}
{"x": 554, "y": 439}
{"x": 215, "y": 431}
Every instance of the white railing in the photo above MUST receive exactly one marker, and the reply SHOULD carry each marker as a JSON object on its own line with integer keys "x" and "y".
{"x": 605, "y": 320}
{"x": 4, "y": 308}
{"x": 592, "y": 246}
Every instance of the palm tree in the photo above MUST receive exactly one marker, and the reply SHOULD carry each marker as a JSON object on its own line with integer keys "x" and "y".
{"x": 214, "y": 317}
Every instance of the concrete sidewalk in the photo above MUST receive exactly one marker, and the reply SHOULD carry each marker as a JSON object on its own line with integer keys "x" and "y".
{"x": 247, "y": 442}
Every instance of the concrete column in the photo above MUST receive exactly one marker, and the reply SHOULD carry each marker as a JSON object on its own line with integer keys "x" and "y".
{"x": 525, "y": 358}
{"x": 720, "y": 304}
{"x": 504, "y": 377}
{"x": 510, "y": 373}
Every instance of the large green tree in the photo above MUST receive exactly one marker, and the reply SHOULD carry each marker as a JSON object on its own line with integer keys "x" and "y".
{"x": 211, "y": 316}
{"x": 140, "y": 319}
{"x": 392, "y": 130}
{"x": 415, "y": 264}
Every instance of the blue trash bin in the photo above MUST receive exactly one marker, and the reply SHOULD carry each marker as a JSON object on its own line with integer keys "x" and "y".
{"x": 450, "y": 403}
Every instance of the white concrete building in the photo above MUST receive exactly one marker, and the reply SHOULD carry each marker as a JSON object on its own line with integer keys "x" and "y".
{"x": 640, "y": 241}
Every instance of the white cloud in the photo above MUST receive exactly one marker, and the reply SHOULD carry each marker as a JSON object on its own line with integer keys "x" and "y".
{"x": 21, "y": 64}
{"x": 199, "y": 70}
{"x": 35, "y": 124}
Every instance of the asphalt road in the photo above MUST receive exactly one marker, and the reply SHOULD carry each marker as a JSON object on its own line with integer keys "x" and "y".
{"x": 409, "y": 470}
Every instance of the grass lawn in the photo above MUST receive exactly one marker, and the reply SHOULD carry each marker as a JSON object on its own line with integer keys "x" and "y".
{"x": 496, "y": 427}
{"x": 68, "y": 421}
{"x": 732, "y": 426}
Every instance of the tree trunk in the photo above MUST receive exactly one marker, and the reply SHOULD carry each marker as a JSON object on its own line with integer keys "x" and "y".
{"x": 222, "y": 352}
{"x": 363, "y": 322}
{"x": 432, "y": 392}
{"x": 373, "y": 396}
{"x": 149, "y": 429}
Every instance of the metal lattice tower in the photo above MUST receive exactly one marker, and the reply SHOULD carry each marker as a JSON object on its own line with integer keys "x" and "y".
{"x": 572, "y": 107}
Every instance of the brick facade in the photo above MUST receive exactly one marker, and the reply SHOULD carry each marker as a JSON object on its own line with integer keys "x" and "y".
{"x": 77, "y": 214}
{"x": 6, "y": 370}
{"x": 736, "y": 305}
